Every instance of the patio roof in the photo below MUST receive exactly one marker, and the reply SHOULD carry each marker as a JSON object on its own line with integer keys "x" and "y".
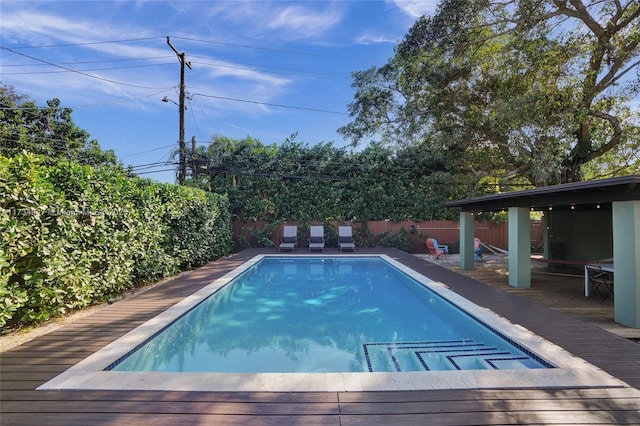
{"x": 619, "y": 197}
{"x": 589, "y": 195}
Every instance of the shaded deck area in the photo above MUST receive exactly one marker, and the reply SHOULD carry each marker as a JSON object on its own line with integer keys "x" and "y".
{"x": 26, "y": 367}
{"x": 558, "y": 287}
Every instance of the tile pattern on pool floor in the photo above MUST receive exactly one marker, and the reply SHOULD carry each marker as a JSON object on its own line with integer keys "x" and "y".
{"x": 442, "y": 355}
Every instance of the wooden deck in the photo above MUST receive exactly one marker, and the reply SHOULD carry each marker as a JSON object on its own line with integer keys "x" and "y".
{"x": 26, "y": 367}
{"x": 559, "y": 288}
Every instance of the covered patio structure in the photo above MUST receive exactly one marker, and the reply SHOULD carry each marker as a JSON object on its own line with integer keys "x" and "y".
{"x": 585, "y": 222}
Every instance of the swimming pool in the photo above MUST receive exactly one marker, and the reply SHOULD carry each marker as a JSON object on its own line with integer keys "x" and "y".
{"x": 321, "y": 314}
{"x": 94, "y": 373}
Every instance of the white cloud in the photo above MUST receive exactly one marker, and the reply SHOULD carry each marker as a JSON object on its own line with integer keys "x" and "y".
{"x": 41, "y": 28}
{"x": 305, "y": 22}
{"x": 370, "y": 38}
{"x": 415, "y": 8}
{"x": 290, "y": 21}
{"x": 34, "y": 28}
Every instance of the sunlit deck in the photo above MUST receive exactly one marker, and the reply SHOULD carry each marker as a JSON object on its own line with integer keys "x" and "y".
{"x": 565, "y": 319}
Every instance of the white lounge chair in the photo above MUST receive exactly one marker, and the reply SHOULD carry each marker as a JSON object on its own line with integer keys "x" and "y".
{"x": 289, "y": 238}
{"x": 316, "y": 237}
{"x": 345, "y": 238}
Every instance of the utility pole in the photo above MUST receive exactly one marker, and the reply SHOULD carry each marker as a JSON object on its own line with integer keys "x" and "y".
{"x": 182, "y": 170}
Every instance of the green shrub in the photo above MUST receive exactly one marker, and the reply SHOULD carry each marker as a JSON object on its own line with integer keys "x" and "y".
{"x": 264, "y": 236}
{"x": 362, "y": 236}
{"x": 400, "y": 240}
{"x": 74, "y": 235}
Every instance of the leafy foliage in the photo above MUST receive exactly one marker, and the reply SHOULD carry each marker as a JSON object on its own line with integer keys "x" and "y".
{"x": 295, "y": 182}
{"x": 48, "y": 131}
{"x": 517, "y": 90}
{"x": 264, "y": 236}
{"x": 400, "y": 240}
{"x": 73, "y": 235}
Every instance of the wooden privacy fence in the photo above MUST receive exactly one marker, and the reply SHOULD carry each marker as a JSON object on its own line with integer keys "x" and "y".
{"x": 445, "y": 231}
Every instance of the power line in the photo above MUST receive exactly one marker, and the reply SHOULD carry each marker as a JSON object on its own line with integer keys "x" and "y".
{"x": 91, "y": 62}
{"x": 154, "y": 171}
{"x": 97, "y": 104}
{"x": 282, "y": 70}
{"x": 202, "y": 111}
{"x": 270, "y": 104}
{"x": 89, "y": 43}
{"x": 220, "y": 43}
{"x": 268, "y": 49}
{"x": 85, "y": 70}
{"x": 146, "y": 152}
{"x": 76, "y": 71}
{"x": 193, "y": 116}
{"x": 124, "y": 100}
{"x": 152, "y": 165}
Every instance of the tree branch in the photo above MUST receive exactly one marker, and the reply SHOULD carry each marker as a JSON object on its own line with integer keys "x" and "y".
{"x": 616, "y": 138}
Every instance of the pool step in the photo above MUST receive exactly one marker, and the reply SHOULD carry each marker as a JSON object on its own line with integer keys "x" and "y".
{"x": 440, "y": 355}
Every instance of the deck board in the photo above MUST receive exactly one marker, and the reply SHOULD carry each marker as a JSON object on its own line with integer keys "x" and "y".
{"x": 184, "y": 419}
{"x": 26, "y": 367}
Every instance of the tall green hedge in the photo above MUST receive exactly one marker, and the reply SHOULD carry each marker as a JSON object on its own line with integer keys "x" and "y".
{"x": 297, "y": 182}
{"x": 74, "y": 235}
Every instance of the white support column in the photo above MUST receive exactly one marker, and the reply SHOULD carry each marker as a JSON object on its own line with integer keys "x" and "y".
{"x": 626, "y": 262}
{"x": 519, "y": 247}
{"x": 467, "y": 232}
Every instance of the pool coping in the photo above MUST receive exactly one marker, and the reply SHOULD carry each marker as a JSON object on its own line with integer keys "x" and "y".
{"x": 570, "y": 371}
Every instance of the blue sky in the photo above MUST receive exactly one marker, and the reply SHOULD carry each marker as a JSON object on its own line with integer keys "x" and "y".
{"x": 265, "y": 69}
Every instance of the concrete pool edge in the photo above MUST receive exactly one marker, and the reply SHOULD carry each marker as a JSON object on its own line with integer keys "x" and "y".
{"x": 571, "y": 371}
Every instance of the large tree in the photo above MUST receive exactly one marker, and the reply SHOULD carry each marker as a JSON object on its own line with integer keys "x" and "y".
{"x": 48, "y": 131}
{"x": 531, "y": 89}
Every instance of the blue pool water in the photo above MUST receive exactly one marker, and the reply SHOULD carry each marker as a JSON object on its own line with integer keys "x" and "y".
{"x": 319, "y": 314}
